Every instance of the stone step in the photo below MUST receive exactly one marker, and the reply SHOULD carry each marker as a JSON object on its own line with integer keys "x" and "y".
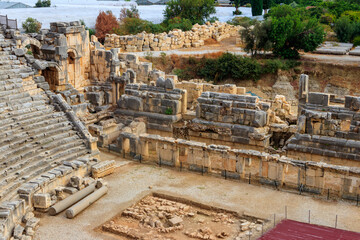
{"x": 12, "y": 151}
{"x": 41, "y": 168}
{"x": 39, "y": 154}
{"x": 9, "y": 117}
{"x": 36, "y": 168}
{"x": 9, "y": 136}
{"x": 7, "y": 75}
{"x": 13, "y": 123}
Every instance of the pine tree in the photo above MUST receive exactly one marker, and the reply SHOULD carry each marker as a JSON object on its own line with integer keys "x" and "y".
{"x": 256, "y": 7}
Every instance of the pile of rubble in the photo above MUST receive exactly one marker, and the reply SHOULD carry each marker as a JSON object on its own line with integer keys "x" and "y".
{"x": 175, "y": 39}
{"x": 160, "y": 216}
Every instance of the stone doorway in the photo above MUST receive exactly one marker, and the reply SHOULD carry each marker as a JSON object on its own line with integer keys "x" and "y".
{"x": 51, "y": 75}
{"x": 71, "y": 69}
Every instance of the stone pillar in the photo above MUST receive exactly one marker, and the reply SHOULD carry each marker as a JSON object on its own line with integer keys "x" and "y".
{"x": 184, "y": 102}
{"x": 303, "y": 91}
{"x": 176, "y": 155}
{"x": 114, "y": 93}
{"x": 125, "y": 146}
{"x": 145, "y": 149}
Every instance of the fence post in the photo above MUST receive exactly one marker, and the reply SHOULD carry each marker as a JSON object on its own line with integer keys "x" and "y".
{"x": 250, "y": 178}
{"x": 285, "y": 212}
{"x": 274, "y": 219}
{"x": 309, "y": 216}
{"x": 336, "y": 221}
{"x": 328, "y": 196}
{"x": 262, "y": 229}
{"x": 7, "y": 23}
{"x": 225, "y": 174}
{"x": 357, "y": 200}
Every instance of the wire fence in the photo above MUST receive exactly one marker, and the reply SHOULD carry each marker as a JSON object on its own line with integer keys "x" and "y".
{"x": 307, "y": 216}
{"x": 9, "y": 23}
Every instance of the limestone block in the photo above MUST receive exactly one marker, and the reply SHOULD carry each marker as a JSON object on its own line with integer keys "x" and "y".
{"x": 42, "y": 200}
{"x": 103, "y": 168}
{"x": 169, "y": 84}
{"x": 322, "y": 99}
{"x": 240, "y": 90}
{"x": 19, "y": 52}
{"x": 352, "y": 103}
{"x": 160, "y": 82}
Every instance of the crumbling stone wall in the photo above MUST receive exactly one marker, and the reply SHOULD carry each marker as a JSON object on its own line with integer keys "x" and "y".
{"x": 175, "y": 39}
{"x": 162, "y": 104}
{"x": 195, "y": 88}
{"x": 260, "y": 167}
{"x": 327, "y": 128}
{"x": 238, "y": 120}
{"x": 62, "y": 54}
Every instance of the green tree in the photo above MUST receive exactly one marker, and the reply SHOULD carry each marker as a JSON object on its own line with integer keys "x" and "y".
{"x": 266, "y": 5}
{"x": 237, "y": 5}
{"x": 31, "y": 25}
{"x": 256, "y": 7}
{"x": 197, "y": 11}
{"x": 43, "y": 3}
{"x": 344, "y": 29}
{"x": 255, "y": 36}
{"x": 290, "y": 33}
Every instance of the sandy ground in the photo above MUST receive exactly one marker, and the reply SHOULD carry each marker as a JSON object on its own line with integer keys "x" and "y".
{"x": 132, "y": 180}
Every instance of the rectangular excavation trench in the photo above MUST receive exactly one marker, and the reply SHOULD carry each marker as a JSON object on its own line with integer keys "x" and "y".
{"x": 160, "y": 216}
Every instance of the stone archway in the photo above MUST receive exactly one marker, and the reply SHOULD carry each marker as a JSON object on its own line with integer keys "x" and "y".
{"x": 32, "y": 45}
{"x": 73, "y": 68}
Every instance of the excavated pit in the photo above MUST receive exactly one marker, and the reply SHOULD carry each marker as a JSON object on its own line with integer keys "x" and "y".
{"x": 159, "y": 216}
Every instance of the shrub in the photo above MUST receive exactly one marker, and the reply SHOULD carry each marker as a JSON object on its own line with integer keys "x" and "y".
{"x": 240, "y": 21}
{"x": 354, "y": 16}
{"x": 179, "y": 23}
{"x": 137, "y": 25}
{"x": 31, "y": 25}
{"x": 105, "y": 23}
{"x": 248, "y": 5}
{"x": 338, "y": 7}
{"x": 344, "y": 29}
{"x": 91, "y": 31}
{"x": 356, "y": 41}
{"x": 230, "y": 66}
{"x": 169, "y": 111}
{"x": 43, "y": 3}
{"x": 272, "y": 66}
{"x": 327, "y": 18}
{"x": 256, "y": 7}
{"x": 133, "y": 12}
{"x": 197, "y": 11}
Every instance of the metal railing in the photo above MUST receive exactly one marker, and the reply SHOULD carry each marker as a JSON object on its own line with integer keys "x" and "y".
{"x": 9, "y": 23}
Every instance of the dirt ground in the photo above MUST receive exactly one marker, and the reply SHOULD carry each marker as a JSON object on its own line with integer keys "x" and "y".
{"x": 132, "y": 181}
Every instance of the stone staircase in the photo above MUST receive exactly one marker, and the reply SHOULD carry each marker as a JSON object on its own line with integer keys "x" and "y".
{"x": 35, "y": 138}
